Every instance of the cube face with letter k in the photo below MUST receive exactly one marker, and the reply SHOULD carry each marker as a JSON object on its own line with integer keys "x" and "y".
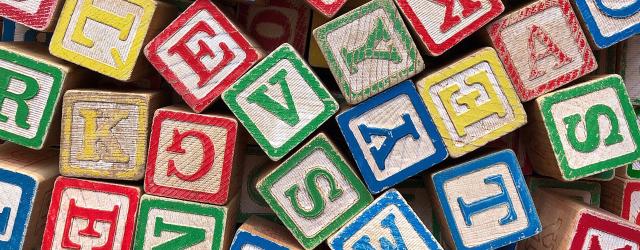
{"x": 488, "y": 194}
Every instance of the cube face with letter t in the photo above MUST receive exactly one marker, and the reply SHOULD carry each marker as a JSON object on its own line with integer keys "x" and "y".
{"x": 609, "y": 21}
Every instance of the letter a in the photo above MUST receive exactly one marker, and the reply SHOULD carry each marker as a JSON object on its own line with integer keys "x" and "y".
{"x": 391, "y": 136}
{"x": 208, "y": 154}
{"x": 94, "y": 133}
{"x": 368, "y": 49}
{"x": 468, "y": 7}
{"x": 551, "y": 49}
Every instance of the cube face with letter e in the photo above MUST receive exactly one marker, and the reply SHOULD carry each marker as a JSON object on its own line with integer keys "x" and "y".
{"x": 259, "y": 233}
{"x": 314, "y": 192}
{"x": 280, "y": 101}
{"x": 411, "y": 141}
{"x": 487, "y": 194}
{"x": 362, "y": 68}
{"x": 98, "y": 203}
{"x": 472, "y": 102}
{"x": 387, "y": 223}
{"x": 192, "y": 156}
{"x": 328, "y": 8}
{"x": 622, "y": 198}
{"x": 36, "y": 14}
{"x": 440, "y": 25}
{"x": 609, "y": 21}
{"x": 201, "y": 53}
{"x": 542, "y": 47}
{"x": 583, "y": 130}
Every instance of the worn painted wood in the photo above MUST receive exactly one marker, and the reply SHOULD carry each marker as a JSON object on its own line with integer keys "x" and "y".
{"x": 36, "y": 14}
{"x": 609, "y": 21}
{"x": 260, "y": 233}
{"x": 315, "y": 57}
{"x": 622, "y": 197}
{"x": 589, "y": 192}
{"x": 416, "y": 193}
{"x": 251, "y": 203}
{"x": 16, "y": 32}
{"x": 629, "y": 67}
{"x": 328, "y": 8}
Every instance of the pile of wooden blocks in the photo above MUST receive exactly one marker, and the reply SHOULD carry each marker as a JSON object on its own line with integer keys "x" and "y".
{"x": 317, "y": 124}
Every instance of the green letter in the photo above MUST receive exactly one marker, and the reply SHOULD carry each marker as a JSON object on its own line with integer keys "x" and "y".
{"x": 288, "y": 114}
{"x": 314, "y": 192}
{"x": 592, "y": 140}
{"x": 30, "y": 91}
{"x": 368, "y": 49}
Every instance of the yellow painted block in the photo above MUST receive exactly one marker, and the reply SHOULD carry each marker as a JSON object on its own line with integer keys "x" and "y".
{"x": 472, "y": 102}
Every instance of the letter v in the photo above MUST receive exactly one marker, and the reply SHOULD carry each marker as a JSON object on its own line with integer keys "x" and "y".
{"x": 288, "y": 114}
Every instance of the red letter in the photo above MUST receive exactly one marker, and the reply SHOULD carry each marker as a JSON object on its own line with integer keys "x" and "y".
{"x": 273, "y": 17}
{"x": 552, "y": 49}
{"x": 207, "y": 154}
{"x": 92, "y": 215}
{"x": 468, "y": 7}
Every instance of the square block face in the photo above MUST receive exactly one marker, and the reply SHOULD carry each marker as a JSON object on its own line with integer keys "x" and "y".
{"x": 104, "y": 36}
{"x": 610, "y": 21}
{"x": 104, "y": 135}
{"x": 107, "y": 210}
{"x": 597, "y": 231}
{"x": 26, "y": 118}
{"x": 191, "y": 156}
{"x": 388, "y": 219}
{"x": 295, "y": 195}
{"x": 351, "y": 44}
{"x": 280, "y": 101}
{"x": 174, "y": 224}
{"x": 200, "y": 54}
{"x": 392, "y": 137}
{"x": 327, "y": 7}
{"x": 473, "y": 102}
{"x": 16, "y": 201}
{"x": 34, "y": 14}
{"x": 246, "y": 241}
{"x": 542, "y": 47}
{"x": 631, "y": 202}
{"x": 487, "y": 195}
{"x": 592, "y": 127}
{"x": 440, "y": 25}
{"x": 16, "y": 32}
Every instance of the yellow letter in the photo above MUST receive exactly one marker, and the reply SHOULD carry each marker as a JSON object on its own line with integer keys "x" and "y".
{"x": 93, "y": 134}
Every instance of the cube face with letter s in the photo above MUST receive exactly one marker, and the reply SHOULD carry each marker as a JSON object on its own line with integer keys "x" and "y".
{"x": 609, "y": 21}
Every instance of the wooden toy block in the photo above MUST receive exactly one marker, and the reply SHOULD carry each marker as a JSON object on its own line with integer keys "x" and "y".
{"x": 315, "y": 57}
{"x": 604, "y": 176}
{"x": 622, "y": 198}
{"x": 327, "y": 7}
{"x": 201, "y": 53}
{"x": 26, "y": 181}
{"x": 28, "y": 116}
{"x": 165, "y": 223}
{"x": 108, "y": 37}
{"x": 280, "y": 101}
{"x": 629, "y": 67}
{"x": 105, "y": 133}
{"x": 251, "y": 203}
{"x": 570, "y": 224}
{"x": 472, "y": 102}
{"x": 542, "y": 47}
{"x": 387, "y": 223}
{"x": 193, "y": 156}
{"x": 488, "y": 194}
{"x": 410, "y": 141}
{"x": 516, "y": 142}
{"x": 260, "y": 233}
{"x": 275, "y": 23}
{"x": 631, "y": 171}
{"x": 36, "y": 14}
{"x": 15, "y": 32}
{"x": 583, "y": 130}
{"x": 586, "y": 191}
{"x": 88, "y": 214}
{"x": 314, "y": 192}
{"x": 609, "y": 21}
{"x": 369, "y": 49}
{"x": 439, "y": 25}
{"x": 415, "y": 192}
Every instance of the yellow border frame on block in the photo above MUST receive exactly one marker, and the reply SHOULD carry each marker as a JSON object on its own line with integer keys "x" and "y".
{"x": 490, "y": 56}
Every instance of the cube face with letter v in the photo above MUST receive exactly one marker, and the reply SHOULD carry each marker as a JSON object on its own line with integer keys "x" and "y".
{"x": 488, "y": 194}
{"x": 609, "y": 21}
{"x": 411, "y": 141}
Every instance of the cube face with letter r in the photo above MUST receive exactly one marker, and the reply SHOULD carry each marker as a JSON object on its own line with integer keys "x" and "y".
{"x": 609, "y": 21}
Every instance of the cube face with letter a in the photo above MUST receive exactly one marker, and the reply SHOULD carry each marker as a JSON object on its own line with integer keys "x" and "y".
{"x": 599, "y": 231}
{"x": 487, "y": 194}
{"x": 609, "y": 21}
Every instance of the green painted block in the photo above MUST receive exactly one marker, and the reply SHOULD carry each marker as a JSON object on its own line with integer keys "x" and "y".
{"x": 280, "y": 101}
{"x": 631, "y": 171}
{"x": 314, "y": 192}
{"x": 585, "y": 191}
{"x": 368, "y": 49}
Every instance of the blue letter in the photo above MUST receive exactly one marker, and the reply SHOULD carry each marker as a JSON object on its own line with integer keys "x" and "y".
{"x": 364, "y": 243}
{"x": 503, "y": 198}
{"x": 391, "y": 136}
{"x": 4, "y": 219}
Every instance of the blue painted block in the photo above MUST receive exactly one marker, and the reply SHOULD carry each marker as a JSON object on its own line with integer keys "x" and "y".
{"x": 246, "y": 240}
{"x": 18, "y": 192}
{"x": 15, "y": 32}
{"x": 392, "y": 137}
{"x": 486, "y": 203}
{"x": 395, "y": 224}
{"x": 610, "y": 23}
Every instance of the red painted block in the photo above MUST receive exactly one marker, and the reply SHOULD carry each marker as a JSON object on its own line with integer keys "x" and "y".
{"x": 328, "y": 8}
{"x": 597, "y": 232}
{"x": 36, "y": 14}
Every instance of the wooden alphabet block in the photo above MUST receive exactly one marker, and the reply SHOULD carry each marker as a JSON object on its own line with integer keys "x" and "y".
{"x": 105, "y": 133}
{"x": 631, "y": 171}
{"x": 259, "y": 233}
{"x": 415, "y": 192}
{"x": 315, "y": 57}
{"x": 629, "y": 67}
{"x": 108, "y": 37}
{"x": 472, "y": 102}
{"x": 311, "y": 209}
{"x": 327, "y": 7}
{"x": 387, "y": 223}
{"x": 622, "y": 198}
{"x": 201, "y": 53}
{"x": 410, "y": 141}
{"x": 193, "y": 156}
{"x": 542, "y": 47}
{"x": 609, "y": 21}
{"x": 26, "y": 181}
{"x": 91, "y": 214}
{"x": 604, "y": 176}
{"x": 485, "y": 202}
{"x": 280, "y": 101}
{"x": 351, "y": 44}
{"x": 440, "y": 25}
{"x": 16, "y": 32}
{"x": 27, "y": 118}
{"x": 197, "y": 226}
{"x": 586, "y": 191}
{"x": 36, "y": 14}
{"x": 583, "y": 130}
{"x": 251, "y": 203}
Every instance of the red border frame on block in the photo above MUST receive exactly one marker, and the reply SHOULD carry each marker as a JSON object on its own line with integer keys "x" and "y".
{"x": 218, "y": 198}
{"x": 328, "y": 10}
{"x": 590, "y": 220}
{"x": 63, "y": 183}
{"x": 436, "y": 49}
{"x": 36, "y": 20}
{"x": 628, "y": 191}
{"x": 151, "y": 52}
{"x": 587, "y": 56}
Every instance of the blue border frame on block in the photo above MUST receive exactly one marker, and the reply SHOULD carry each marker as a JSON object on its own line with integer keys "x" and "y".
{"x": 509, "y": 158}
{"x": 405, "y": 88}
{"x": 28, "y": 186}
{"x": 243, "y": 237}
{"x": 600, "y": 39}
{"x": 389, "y": 198}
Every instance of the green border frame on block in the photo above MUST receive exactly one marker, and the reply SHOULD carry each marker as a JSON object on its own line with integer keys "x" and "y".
{"x": 635, "y": 174}
{"x": 320, "y": 142}
{"x": 284, "y": 52}
{"x": 54, "y": 95}
{"x": 610, "y": 81}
